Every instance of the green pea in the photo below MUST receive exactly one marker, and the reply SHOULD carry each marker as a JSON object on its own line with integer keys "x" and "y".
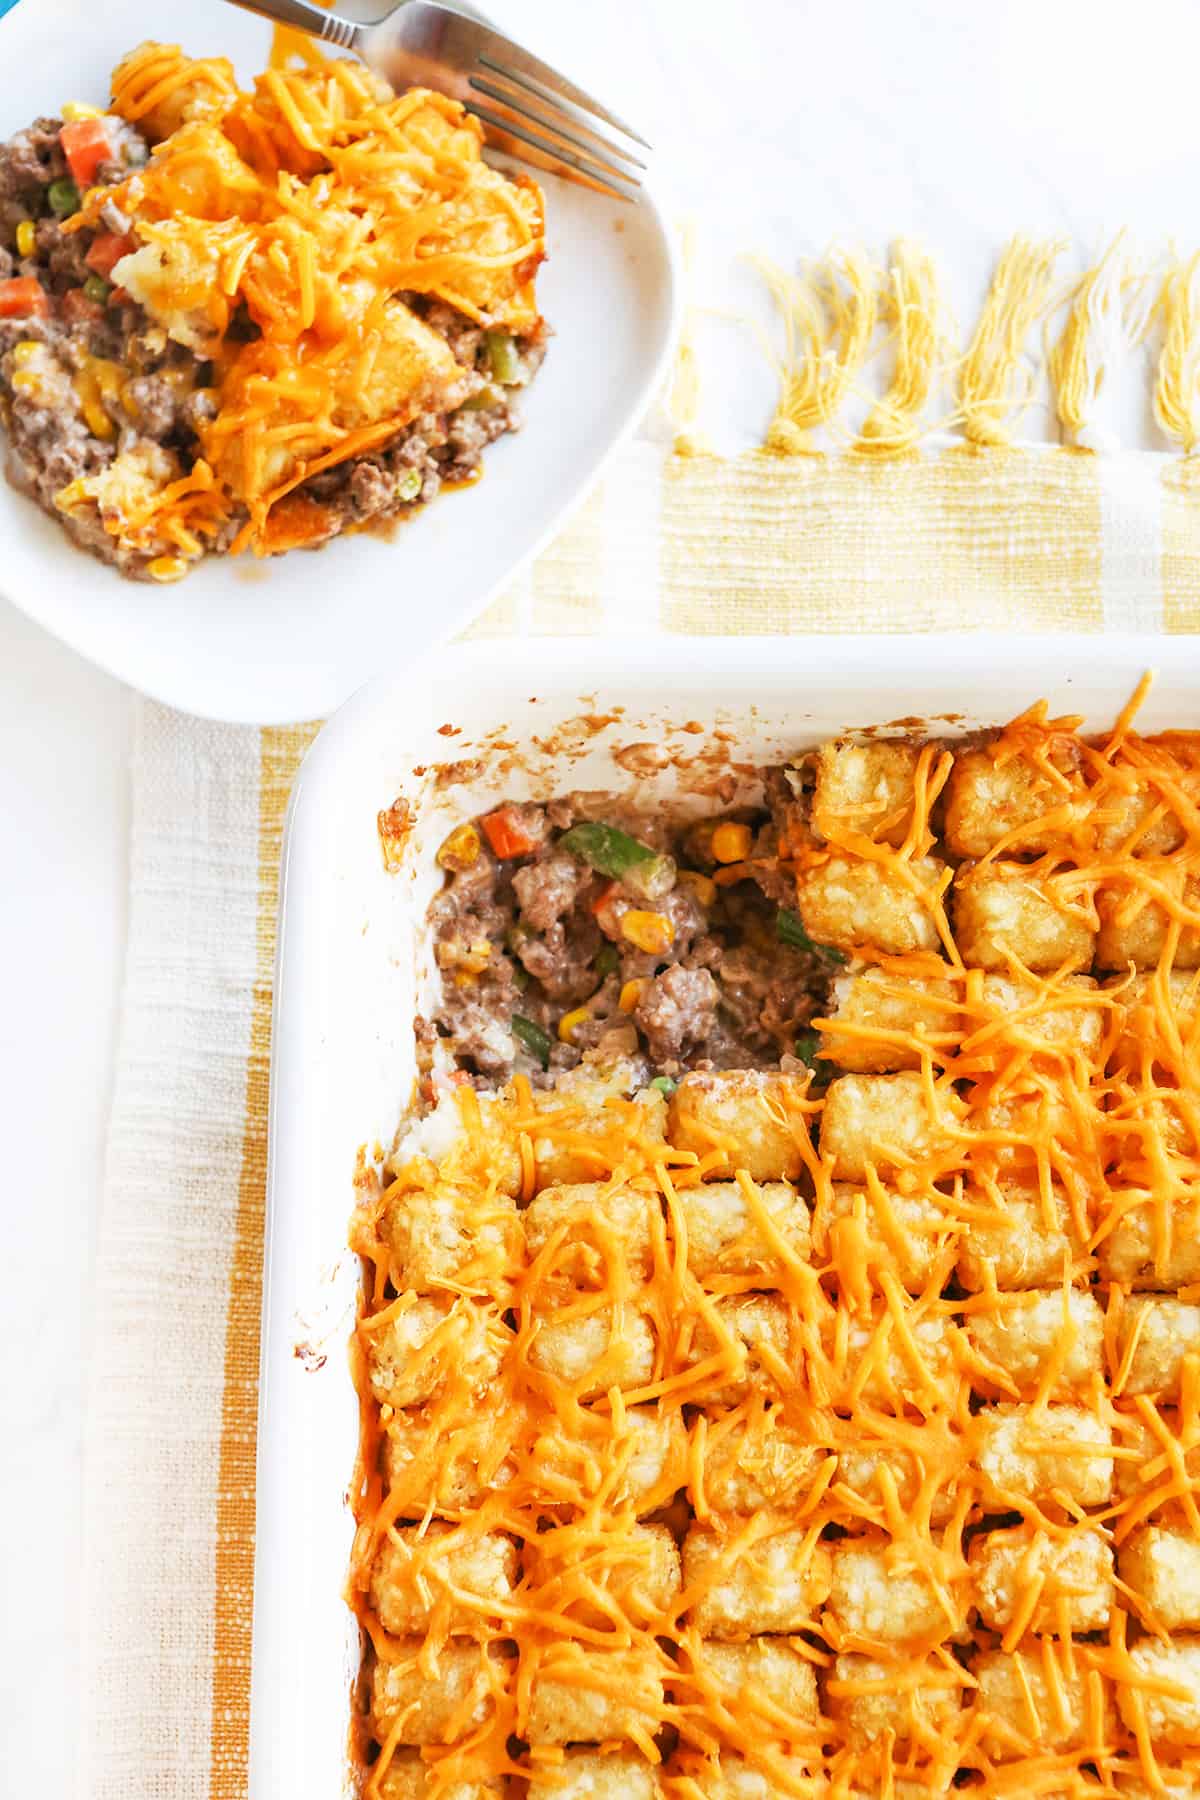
{"x": 63, "y": 197}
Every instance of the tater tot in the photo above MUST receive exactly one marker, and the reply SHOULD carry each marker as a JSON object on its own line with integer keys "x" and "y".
{"x": 884, "y": 1122}
{"x": 1007, "y": 1237}
{"x": 1013, "y": 801}
{"x": 777, "y": 1583}
{"x": 409, "y": 1777}
{"x": 761, "y": 1325}
{"x": 1029, "y": 1710}
{"x": 889, "y": 1367}
{"x": 443, "y": 1235}
{"x": 877, "y": 1599}
{"x": 1034, "y": 1452}
{"x": 1024, "y": 1339}
{"x": 916, "y": 1702}
{"x": 1002, "y": 910}
{"x": 588, "y": 1214}
{"x": 752, "y": 1118}
{"x": 1161, "y": 1563}
{"x": 1133, "y": 926}
{"x": 488, "y": 1155}
{"x": 1016, "y": 1133}
{"x": 758, "y": 1462}
{"x": 633, "y": 1576}
{"x": 871, "y": 1470}
{"x": 609, "y": 1347}
{"x": 422, "y": 1570}
{"x": 850, "y": 901}
{"x": 865, "y": 788}
{"x": 1157, "y": 1332}
{"x": 733, "y": 1778}
{"x": 585, "y": 1136}
{"x": 873, "y": 1015}
{"x": 1148, "y": 1472}
{"x": 193, "y": 89}
{"x": 1159, "y": 1013}
{"x": 640, "y": 1466}
{"x": 1177, "y": 1784}
{"x": 1014, "y": 1010}
{"x": 597, "y": 1775}
{"x": 1172, "y": 1718}
{"x": 582, "y": 1695}
{"x": 902, "y": 1232}
{"x": 454, "y": 1469}
{"x": 430, "y": 1342}
{"x": 1135, "y": 1253}
{"x": 441, "y": 1708}
{"x": 1075, "y": 1574}
{"x": 1134, "y": 813}
{"x": 724, "y": 1232}
{"x": 770, "y": 1674}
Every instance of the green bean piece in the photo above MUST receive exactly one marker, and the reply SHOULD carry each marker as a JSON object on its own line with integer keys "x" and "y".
{"x": 789, "y": 929}
{"x": 607, "y": 960}
{"x": 666, "y": 1084}
{"x": 531, "y": 1037}
{"x": 806, "y": 1047}
{"x": 409, "y": 486}
{"x": 605, "y": 849}
{"x": 503, "y": 357}
{"x": 63, "y": 197}
{"x": 97, "y": 289}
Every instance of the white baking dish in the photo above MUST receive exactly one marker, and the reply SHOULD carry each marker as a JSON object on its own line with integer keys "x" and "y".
{"x": 524, "y": 718}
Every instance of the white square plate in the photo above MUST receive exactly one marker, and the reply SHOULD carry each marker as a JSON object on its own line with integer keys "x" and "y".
{"x": 290, "y": 637}
{"x": 351, "y": 971}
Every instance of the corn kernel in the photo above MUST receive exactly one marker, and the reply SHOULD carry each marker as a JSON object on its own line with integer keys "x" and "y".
{"x": 25, "y": 351}
{"x": 26, "y": 238}
{"x": 631, "y": 993}
{"x": 731, "y": 843}
{"x": 98, "y": 421}
{"x": 165, "y": 568}
{"x": 465, "y": 979}
{"x": 570, "y": 1023}
{"x": 73, "y": 494}
{"x": 75, "y": 110}
{"x": 702, "y": 886}
{"x": 460, "y": 849}
{"x": 25, "y": 382}
{"x": 649, "y": 931}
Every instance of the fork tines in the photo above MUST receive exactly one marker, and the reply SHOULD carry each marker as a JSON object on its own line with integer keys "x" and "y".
{"x": 549, "y": 114}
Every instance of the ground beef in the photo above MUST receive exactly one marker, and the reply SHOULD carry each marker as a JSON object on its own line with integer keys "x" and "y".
{"x": 676, "y": 1013}
{"x": 546, "y": 890}
{"x": 155, "y": 404}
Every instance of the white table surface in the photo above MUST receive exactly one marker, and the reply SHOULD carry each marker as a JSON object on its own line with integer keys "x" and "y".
{"x": 958, "y": 123}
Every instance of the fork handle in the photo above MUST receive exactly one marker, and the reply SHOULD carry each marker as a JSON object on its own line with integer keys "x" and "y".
{"x": 313, "y": 19}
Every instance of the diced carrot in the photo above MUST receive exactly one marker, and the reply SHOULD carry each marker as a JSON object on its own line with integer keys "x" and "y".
{"x": 107, "y": 252}
{"x": 506, "y": 833}
{"x": 86, "y": 144}
{"x": 604, "y": 896}
{"x": 23, "y": 296}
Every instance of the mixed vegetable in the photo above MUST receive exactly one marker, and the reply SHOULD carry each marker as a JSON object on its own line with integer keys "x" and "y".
{"x": 92, "y": 144}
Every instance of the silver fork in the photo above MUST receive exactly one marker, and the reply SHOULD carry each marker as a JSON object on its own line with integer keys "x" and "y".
{"x": 531, "y": 111}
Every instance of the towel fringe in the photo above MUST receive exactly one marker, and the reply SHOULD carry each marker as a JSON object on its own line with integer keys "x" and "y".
{"x": 912, "y": 309}
{"x": 841, "y": 311}
{"x": 1177, "y": 384}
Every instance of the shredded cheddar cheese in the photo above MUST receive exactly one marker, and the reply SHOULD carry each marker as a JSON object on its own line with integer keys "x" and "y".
{"x": 844, "y": 1438}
